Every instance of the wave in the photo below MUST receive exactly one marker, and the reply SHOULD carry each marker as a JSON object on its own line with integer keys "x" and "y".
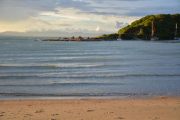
{"x": 63, "y": 84}
{"x": 72, "y": 94}
{"x": 63, "y": 65}
{"x": 64, "y": 54}
{"x": 82, "y": 75}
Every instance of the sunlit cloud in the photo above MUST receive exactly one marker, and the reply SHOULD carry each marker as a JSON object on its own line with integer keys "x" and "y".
{"x": 67, "y": 18}
{"x": 77, "y": 17}
{"x": 97, "y": 29}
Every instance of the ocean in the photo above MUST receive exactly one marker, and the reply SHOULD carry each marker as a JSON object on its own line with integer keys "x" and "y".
{"x": 39, "y": 69}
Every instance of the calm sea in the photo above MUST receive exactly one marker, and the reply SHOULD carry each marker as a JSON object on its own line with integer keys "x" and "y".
{"x": 30, "y": 68}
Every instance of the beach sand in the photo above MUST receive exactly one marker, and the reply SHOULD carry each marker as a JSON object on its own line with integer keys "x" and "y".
{"x": 161, "y": 108}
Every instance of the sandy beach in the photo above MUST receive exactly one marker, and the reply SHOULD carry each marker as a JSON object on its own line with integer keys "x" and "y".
{"x": 161, "y": 108}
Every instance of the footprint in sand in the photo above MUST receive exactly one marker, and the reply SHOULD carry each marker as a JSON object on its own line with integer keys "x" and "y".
{"x": 90, "y": 110}
{"x": 120, "y": 118}
{"x": 54, "y": 114}
{"x": 156, "y": 118}
{"x": 28, "y": 114}
{"x": 39, "y": 111}
{"x": 2, "y": 114}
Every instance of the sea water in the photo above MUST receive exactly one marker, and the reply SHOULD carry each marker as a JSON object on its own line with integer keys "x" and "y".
{"x": 30, "y": 68}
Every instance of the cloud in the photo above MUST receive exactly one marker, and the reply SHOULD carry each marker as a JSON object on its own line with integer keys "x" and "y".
{"x": 12, "y": 10}
{"x": 97, "y": 29}
{"x": 63, "y": 18}
{"x": 77, "y": 16}
{"x": 120, "y": 24}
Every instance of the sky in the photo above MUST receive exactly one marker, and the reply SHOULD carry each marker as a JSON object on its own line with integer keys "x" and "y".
{"x": 76, "y": 17}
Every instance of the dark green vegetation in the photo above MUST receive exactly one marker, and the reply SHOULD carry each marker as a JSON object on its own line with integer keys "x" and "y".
{"x": 108, "y": 36}
{"x": 165, "y": 25}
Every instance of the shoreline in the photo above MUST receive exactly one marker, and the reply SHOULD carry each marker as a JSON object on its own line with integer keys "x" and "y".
{"x": 155, "y": 108}
{"x": 87, "y": 97}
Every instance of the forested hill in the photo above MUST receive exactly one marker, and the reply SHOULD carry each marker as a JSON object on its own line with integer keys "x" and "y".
{"x": 165, "y": 26}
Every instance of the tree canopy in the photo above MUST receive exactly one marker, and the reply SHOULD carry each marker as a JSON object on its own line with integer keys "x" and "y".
{"x": 165, "y": 25}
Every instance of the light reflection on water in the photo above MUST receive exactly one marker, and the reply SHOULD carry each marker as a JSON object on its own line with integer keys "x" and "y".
{"x": 31, "y": 68}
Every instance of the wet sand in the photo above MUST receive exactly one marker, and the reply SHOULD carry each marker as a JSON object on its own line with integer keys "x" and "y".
{"x": 161, "y": 108}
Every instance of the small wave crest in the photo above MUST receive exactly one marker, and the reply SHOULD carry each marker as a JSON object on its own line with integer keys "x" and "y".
{"x": 72, "y": 94}
{"x": 62, "y": 84}
{"x": 80, "y": 75}
{"x": 63, "y": 65}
